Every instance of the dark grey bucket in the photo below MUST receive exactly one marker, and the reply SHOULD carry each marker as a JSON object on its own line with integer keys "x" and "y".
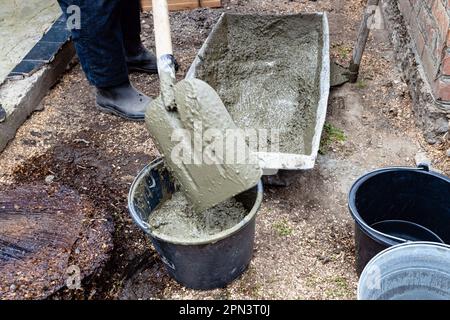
{"x": 417, "y": 197}
{"x": 209, "y": 264}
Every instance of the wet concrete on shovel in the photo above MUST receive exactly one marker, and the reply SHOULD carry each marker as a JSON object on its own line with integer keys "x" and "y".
{"x": 200, "y": 164}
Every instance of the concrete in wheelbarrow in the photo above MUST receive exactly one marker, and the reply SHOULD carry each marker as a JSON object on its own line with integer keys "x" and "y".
{"x": 273, "y": 73}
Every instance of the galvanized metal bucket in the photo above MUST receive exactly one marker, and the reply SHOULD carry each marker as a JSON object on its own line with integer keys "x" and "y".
{"x": 410, "y": 271}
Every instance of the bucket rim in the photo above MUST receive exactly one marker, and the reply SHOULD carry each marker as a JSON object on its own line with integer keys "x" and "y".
{"x": 402, "y": 246}
{"x": 209, "y": 240}
{"x": 376, "y": 235}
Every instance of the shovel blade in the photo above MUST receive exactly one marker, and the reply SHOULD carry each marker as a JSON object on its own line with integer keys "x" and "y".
{"x": 202, "y": 146}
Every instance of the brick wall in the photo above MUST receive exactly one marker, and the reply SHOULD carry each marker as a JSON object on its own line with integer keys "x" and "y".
{"x": 428, "y": 22}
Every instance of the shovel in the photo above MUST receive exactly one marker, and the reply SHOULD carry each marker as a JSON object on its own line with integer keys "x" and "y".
{"x": 202, "y": 146}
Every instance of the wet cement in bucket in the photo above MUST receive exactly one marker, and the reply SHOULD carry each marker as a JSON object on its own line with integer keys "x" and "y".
{"x": 266, "y": 69}
{"x": 176, "y": 219}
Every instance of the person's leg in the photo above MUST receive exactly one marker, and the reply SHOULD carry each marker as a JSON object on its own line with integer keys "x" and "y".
{"x": 137, "y": 56}
{"x": 130, "y": 20}
{"x": 99, "y": 41}
{"x": 100, "y": 48}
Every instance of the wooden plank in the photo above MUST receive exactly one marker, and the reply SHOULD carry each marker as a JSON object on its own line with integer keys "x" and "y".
{"x": 44, "y": 230}
{"x": 176, "y": 5}
{"x": 363, "y": 35}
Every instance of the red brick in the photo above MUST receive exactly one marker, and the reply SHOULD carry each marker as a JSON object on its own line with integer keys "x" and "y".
{"x": 441, "y": 17}
{"x": 448, "y": 38}
{"x": 428, "y": 3}
{"x": 445, "y": 67}
{"x": 427, "y": 25}
{"x": 420, "y": 42}
{"x": 430, "y": 65}
{"x": 442, "y": 89}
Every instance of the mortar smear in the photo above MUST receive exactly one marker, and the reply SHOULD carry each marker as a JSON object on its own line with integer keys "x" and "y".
{"x": 267, "y": 70}
{"x": 176, "y": 219}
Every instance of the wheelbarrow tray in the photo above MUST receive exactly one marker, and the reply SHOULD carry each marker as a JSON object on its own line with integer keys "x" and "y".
{"x": 272, "y": 72}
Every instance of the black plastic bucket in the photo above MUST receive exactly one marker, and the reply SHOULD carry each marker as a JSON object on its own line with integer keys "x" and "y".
{"x": 209, "y": 264}
{"x": 415, "y": 199}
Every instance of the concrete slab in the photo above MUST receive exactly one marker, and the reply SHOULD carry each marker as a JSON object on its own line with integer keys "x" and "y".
{"x": 22, "y": 24}
{"x": 20, "y": 98}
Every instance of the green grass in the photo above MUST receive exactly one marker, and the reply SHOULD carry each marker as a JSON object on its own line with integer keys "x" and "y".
{"x": 343, "y": 51}
{"x": 341, "y": 283}
{"x": 331, "y": 134}
{"x": 341, "y": 288}
{"x": 361, "y": 84}
{"x": 312, "y": 281}
{"x": 282, "y": 228}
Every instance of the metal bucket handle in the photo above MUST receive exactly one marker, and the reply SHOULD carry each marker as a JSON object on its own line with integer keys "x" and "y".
{"x": 141, "y": 222}
{"x": 421, "y": 166}
{"x": 145, "y": 223}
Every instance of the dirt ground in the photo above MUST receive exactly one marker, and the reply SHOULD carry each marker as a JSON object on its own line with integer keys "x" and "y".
{"x": 304, "y": 242}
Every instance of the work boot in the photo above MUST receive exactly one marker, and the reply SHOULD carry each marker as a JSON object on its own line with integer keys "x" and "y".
{"x": 142, "y": 61}
{"x": 124, "y": 101}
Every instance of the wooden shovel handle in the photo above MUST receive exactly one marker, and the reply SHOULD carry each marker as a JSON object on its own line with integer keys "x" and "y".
{"x": 164, "y": 52}
{"x": 161, "y": 23}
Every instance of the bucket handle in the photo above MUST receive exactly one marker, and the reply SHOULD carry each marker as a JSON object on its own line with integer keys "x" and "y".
{"x": 424, "y": 166}
{"x": 142, "y": 221}
{"x": 167, "y": 262}
{"x": 146, "y": 225}
{"x": 393, "y": 238}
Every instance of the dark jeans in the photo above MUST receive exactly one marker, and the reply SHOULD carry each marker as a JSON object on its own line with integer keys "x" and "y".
{"x": 109, "y": 30}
